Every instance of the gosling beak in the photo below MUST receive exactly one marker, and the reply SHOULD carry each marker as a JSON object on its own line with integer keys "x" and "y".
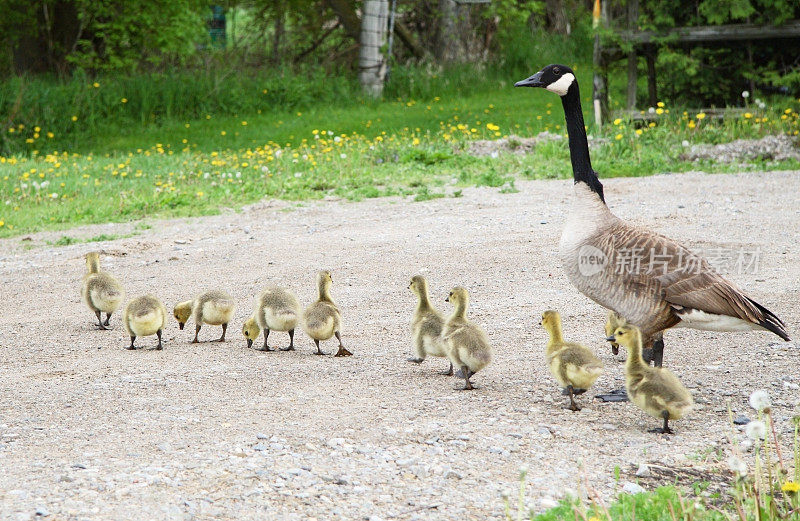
{"x": 180, "y": 325}
{"x": 611, "y": 338}
{"x": 447, "y": 299}
{"x": 533, "y": 81}
{"x": 249, "y": 342}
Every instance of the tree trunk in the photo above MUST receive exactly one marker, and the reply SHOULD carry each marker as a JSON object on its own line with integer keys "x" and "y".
{"x": 446, "y": 50}
{"x": 371, "y": 64}
{"x": 277, "y": 38}
{"x": 557, "y": 17}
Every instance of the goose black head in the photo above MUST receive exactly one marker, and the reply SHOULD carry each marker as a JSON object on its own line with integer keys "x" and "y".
{"x": 555, "y": 78}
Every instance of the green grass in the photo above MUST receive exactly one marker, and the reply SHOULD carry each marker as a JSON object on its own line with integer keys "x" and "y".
{"x": 355, "y": 150}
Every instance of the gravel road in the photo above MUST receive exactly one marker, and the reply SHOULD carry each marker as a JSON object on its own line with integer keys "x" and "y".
{"x": 89, "y": 430}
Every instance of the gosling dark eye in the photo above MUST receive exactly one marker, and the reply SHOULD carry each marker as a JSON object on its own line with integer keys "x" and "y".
{"x": 556, "y": 70}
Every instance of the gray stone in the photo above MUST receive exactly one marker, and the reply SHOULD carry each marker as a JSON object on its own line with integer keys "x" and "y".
{"x": 259, "y": 446}
{"x": 643, "y": 471}
{"x": 42, "y": 511}
{"x": 632, "y": 488}
{"x": 261, "y": 436}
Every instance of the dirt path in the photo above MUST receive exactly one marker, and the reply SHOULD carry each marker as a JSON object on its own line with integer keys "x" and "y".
{"x": 89, "y": 430}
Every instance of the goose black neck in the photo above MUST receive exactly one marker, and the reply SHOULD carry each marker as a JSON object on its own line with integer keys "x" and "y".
{"x": 582, "y": 170}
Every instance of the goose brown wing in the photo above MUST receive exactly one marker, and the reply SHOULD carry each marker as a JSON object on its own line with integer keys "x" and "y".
{"x": 686, "y": 279}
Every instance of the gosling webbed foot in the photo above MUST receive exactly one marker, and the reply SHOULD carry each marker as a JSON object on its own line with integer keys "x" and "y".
{"x": 416, "y": 360}
{"x": 449, "y": 372}
{"x": 290, "y": 348}
{"x": 343, "y": 352}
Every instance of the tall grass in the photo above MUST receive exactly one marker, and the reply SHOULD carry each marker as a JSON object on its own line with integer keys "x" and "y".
{"x": 71, "y": 113}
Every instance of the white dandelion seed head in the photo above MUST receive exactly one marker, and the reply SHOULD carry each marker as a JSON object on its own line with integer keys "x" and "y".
{"x": 278, "y": 153}
{"x": 54, "y": 195}
{"x": 343, "y": 156}
{"x": 651, "y": 110}
{"x": 760, "y": 401}
{"x": 494, "y": 154}
{"x": 737, "y": 465}
{"x": 330, "y": 132}
{"x": 756, "y": 430}
{"x": 506, "y": 494}
{"x": 523, "y": 470}
{"x": 337, "y": 139}
{"x": 745, "y": 94}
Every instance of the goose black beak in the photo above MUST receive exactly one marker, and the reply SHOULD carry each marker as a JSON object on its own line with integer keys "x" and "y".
{"x": 533, "y": 81}
{"x": 447, "y": 299}
{"x": 249, "y": 342}
{"x": 540, "y": 322}
{"x": 180, "y": 325}
{"x": 611, "y": 338}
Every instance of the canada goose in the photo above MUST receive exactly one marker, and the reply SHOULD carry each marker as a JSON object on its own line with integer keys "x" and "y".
{"x": 322, "y": 320}
{"x": 144, "y": 316}
{"x": 655, "y": 390}
{"x": 573, "y": 366}
{"x": 426, "y": 325}
{"x": 277, "y": 309}
{"x": 612, "y": 323}
{"x": 212, "y": 307}
{"x": 466, "y": 343}
{"x": 100, "y": 290}
{"x": 652, "y": 281}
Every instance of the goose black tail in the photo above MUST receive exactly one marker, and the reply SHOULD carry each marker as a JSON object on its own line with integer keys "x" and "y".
{"x": 771, "y": 321}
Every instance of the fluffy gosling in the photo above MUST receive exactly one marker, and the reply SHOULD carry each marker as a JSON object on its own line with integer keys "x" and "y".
{"x": 466, "y": 343}
{"x": 575, "y": 367}
{"x": 144, "y": 316}
{"x": 655, "y": 390}
{"x": 322, "y": 319}
{"x": 614, "y": 321}
{"x": 100, "y": 290}
{"x": 426, "y": 325}
{"x": 213, "y": 307}
{"x": 277, "y": 309}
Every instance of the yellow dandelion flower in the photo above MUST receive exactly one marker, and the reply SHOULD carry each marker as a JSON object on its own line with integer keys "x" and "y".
{"x": 618, "y": 137}
{"x": 2, "y": 223}
{"x": 747, "y": 115}
{"x": 691, "y": 123}
{"x": 222, "y": 133}
{"x": 659, "y": 111}
{"x": 660, "y": 104}
{"x": 11, "y": 130}
{"x": 96, "y": 85}
{"x": 50, "y": 135}
{"x": 200, "y": 194}
{"x": 701, "y": 115}
{"x": 787, "y": 111}
{"x": 74, "y": 118}
{"x": 791, "y": 487}
{"x": 617, "y": 121}
{"x": 244, "y": 123}
{"x": 651, "y": 124}
{"x": 37, "y": 129}
{"x": 638, "y": 132}
{"x": 124, "y": 100}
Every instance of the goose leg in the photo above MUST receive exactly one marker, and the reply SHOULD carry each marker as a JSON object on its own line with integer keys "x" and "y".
{"x": 658, "y": 351}
{"x": 108, "y": 317}
{"x": 160, "y": 346}
{"x": 266, "y": 346}
{"x": 99, "y": 320}
{"x": 196, "y": 332}
{"x": 449, "y": 372}
{"x": 573, "y": 405}
{"x": 291, "y": 342}
{"x": 224, "y": 328}
{"x": 319, "y": 351}
{"x": 132, "y": 347}
{"x": 342, "y": 351}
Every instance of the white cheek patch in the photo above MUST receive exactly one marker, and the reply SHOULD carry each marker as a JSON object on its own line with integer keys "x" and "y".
{"x": 561, "y": 86}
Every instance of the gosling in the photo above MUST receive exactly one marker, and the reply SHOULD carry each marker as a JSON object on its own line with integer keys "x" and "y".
{"x": 100, "y": 290}
{"x": 614, "y": 321}
{"x": 573, "y": 366}
{"x": 655, "y": 390}
{"x": 144, "y": 316}
{"x": 466, "y": 343}
{"x": 212, "y": 307}
{"x": 277, "y": 309}
{"x": 322, "y": 319}
{"x": 426, "y": 325}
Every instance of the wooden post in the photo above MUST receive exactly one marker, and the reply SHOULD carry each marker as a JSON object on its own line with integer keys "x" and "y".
{"x": 600, "y": 74}
{"x": 633, "y": 18}
{"x": 652, "y": 95}
{"x": 371, "y": 64}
